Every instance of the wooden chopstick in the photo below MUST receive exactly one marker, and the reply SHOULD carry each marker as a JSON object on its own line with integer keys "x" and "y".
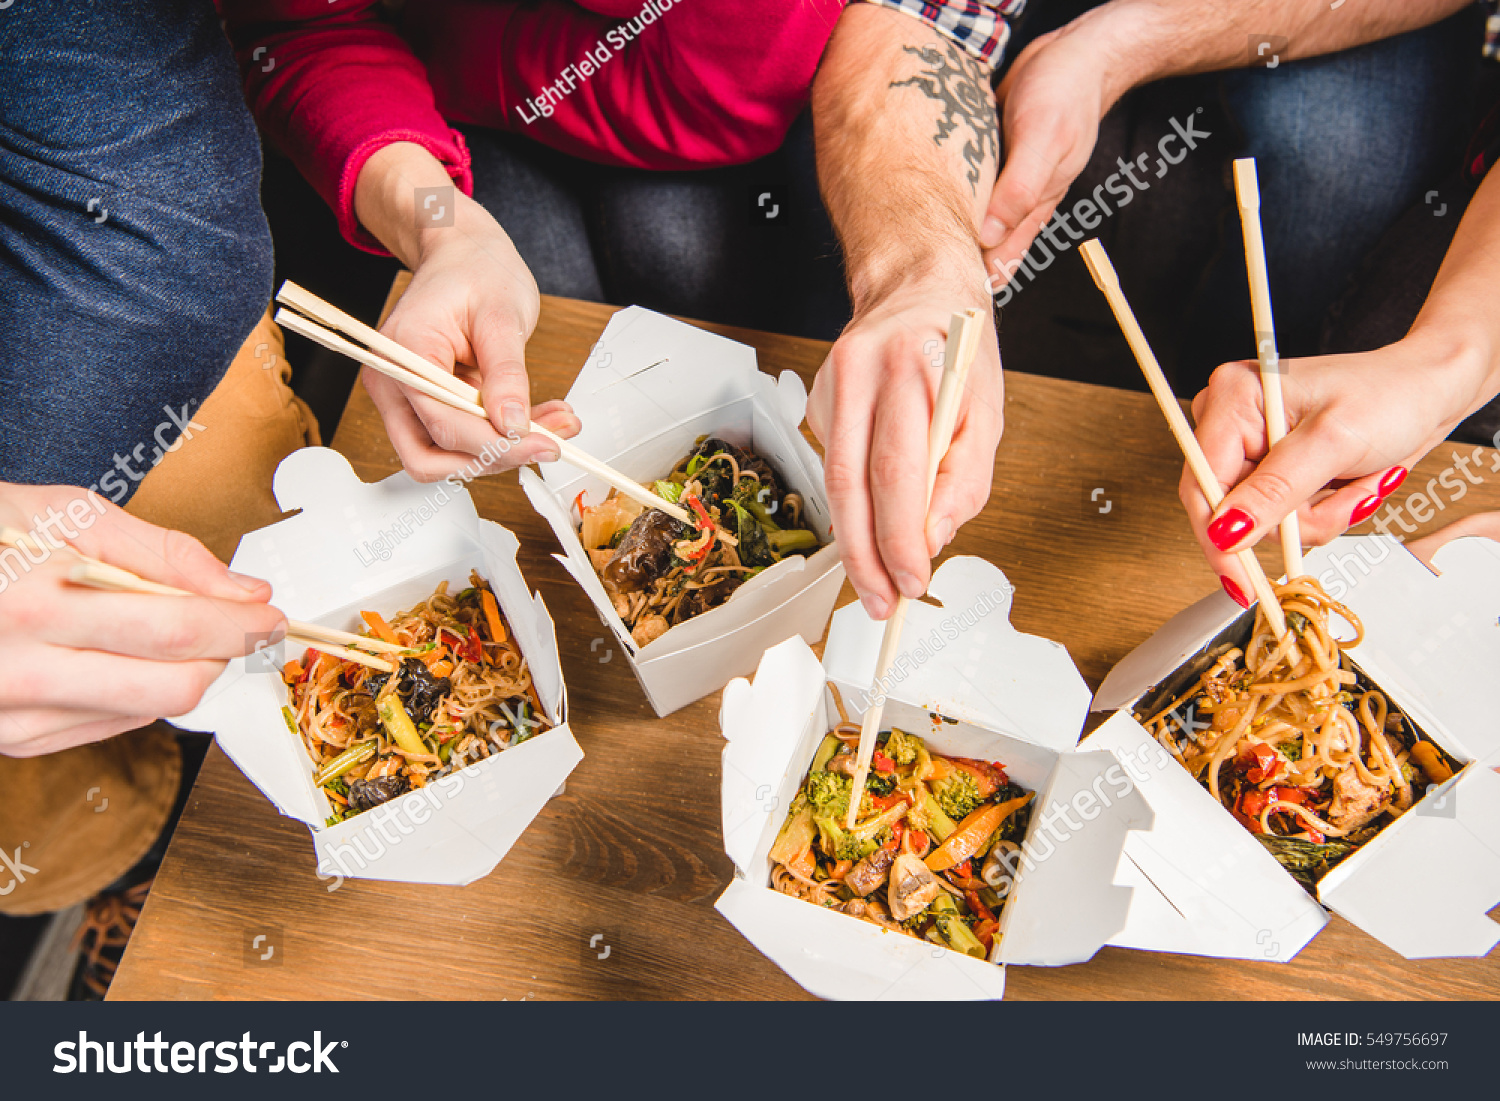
{"x": 1247, "y": 192}
{"x": 964, "y": 333}
{"x": 94, "y": 574}
{"x": 1105, "y": 278}
{"x": 381, "y": 353}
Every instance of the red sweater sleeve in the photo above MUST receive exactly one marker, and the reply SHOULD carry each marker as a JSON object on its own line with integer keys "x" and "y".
{"x": 662, "y": 84}
{"x": 330, "y": 82}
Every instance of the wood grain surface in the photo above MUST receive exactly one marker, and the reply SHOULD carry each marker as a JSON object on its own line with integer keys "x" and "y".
{"x": 632, "y": 850}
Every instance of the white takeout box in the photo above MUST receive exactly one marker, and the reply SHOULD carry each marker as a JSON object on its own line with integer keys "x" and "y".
{"x": 385, "y": 547}
{"x": 650, "y": 388}
{"x": 1004, "y": 696}
{"x": 1424, "y": 884}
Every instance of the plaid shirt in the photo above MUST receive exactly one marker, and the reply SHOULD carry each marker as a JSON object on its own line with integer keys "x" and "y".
{"x": 979, "y": 26}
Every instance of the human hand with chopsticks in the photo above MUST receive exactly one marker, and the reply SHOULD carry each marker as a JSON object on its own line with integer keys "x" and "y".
{"x": 78, "y": 665}
{"x": 471, "y": 307}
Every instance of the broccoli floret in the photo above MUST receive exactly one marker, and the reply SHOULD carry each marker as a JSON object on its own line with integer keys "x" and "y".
{"x": 840, "y": 844}
{"x": 829, "y": 792}
{"x": 958, "y": 794}
{"x": 901, "y": 747}
{"x": 878, "y": 784}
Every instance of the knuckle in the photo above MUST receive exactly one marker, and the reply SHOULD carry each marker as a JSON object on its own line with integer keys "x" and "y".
{"x": 1267, "y": 488}
{"x": 182, "y": 552}
{"x": 179, "y": 639}
{"x": 888, "y": 470}
{"x": 841, "y": 480}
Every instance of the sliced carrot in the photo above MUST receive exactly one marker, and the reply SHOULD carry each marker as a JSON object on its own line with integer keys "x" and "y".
{"x": 292, "y": 671}
{"x": 335, "y": 796}
{"x": 432, "y": 657}
{"x": 381, "y": 628}
{"x": 973, "y": 832}
{"x": 492, "y": 615}
{"x": 441, "y": 669}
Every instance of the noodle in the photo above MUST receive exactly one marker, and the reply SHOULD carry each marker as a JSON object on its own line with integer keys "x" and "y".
{"x": 463, "y": 696}
{"x": 1296, "y": 750}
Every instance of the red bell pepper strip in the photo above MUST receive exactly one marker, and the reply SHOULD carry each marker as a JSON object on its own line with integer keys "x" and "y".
{"x": 976, "y": 904}
{"x": 697, "y": 506}
{"x": 882, "y": 763}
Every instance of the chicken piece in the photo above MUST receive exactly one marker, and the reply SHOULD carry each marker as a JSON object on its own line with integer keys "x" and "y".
{"x": 649, "y": 629}
{"x": 912, "y": 887}
{"x": 1355, "y": 802}
{"x": 870, "y": 874}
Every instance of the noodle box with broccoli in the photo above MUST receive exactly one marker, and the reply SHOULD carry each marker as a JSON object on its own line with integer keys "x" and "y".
{"x": 1423, "y": 881}
{"x": 386, "y": 547}
{"x": 973, "y": 689}
{"x": 651, "y": 389}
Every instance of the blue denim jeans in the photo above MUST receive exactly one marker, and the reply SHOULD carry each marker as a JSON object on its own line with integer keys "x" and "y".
{"x": 134, "y": 256}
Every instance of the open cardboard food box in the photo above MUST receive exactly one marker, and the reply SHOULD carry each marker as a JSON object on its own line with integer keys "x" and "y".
{"x": 650, "y": 388}
{"x": 1424, "y": 884}
{"x": 970, "y": 684}
{"x": 386, "y": 547}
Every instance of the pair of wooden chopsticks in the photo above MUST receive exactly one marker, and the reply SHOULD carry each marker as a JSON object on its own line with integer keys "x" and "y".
{"x": 94, "y": 574}
{"x": 323, "y": 323}
{"x": 964, "y": 333}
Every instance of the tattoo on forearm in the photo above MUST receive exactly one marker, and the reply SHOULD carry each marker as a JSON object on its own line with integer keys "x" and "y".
{"x": 958, "y": 82}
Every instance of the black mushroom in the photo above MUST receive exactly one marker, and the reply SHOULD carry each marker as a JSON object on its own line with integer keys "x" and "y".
{"x": 419, "y": 690}
{"x": 645, "y": 551}
{"x": 367, "y": 794}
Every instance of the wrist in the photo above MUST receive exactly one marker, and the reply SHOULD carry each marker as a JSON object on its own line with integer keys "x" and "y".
{"x": 1462, "y": 362}
{"x": 957, "y": 272}
{"x": 385, "y": 197}
{"x": 1131, "y": 40}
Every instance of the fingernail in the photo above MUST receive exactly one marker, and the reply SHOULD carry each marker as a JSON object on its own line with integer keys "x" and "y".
{"x": 1364, "y": 510}
{"x": 513, "y": 413}
{"x": 942, "y": 533}
{"x": 875, "y": 607}
{"x": 1391, "y": 482}
{"x": 910, "y": 585}
{"x": 1234, "y": 592}
{"x": 249, "y": 584}
{"x": 548, "y": 455}
{"x": 1229, "y": 529}
{"x": 992, "y": 232}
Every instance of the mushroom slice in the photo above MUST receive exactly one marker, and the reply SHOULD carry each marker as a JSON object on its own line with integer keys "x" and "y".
{"x": 912, "y": 887}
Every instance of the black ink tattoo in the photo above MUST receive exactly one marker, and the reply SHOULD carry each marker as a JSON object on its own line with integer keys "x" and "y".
{"x": 957, "y": 82}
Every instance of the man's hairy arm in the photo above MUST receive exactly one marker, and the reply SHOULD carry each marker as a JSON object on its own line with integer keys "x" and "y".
{"x": 908, "y": 147}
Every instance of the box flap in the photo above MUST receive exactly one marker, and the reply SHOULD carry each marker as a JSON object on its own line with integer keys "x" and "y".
{"x": 1432, "y": 642}
{"x": 1229, "y": 896}
{"x": 836, "y": 956}
{"x": 990, "y": 673}
{"x": 765, "y": 724}
{"x": 1178, "y": 639}
{"x": 1065, "y": 906}
{"x": 385, "y": 545}
{"x": 1424, "y": 885}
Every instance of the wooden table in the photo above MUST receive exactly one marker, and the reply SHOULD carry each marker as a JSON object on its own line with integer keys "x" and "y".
{"x": 632, "y": 850}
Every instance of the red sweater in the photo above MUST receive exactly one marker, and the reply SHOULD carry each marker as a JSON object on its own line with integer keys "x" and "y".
{"x": 664, "y": 84}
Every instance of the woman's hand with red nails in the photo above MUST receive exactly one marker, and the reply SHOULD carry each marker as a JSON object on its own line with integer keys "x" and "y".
{"x": 1356, "y": 424}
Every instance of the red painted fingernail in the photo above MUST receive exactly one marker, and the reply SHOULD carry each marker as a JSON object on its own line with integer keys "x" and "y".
{"x": 1364, "y": 510}
{"x": 1229, "y": 529}
{"x": 1234, "y": 592}
{"x": 1392, "y": 480}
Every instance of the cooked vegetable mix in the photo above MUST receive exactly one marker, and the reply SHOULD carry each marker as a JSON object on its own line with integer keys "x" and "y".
{"x": 659, "y": 571}
{"x": 930, "y": 852}
{"x": 464, "y": 695}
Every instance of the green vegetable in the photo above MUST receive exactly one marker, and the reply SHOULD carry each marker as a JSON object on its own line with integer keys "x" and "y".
{"x": 792, "y": 542}
{"x": 398, "y": 724}
{"x": 829, "y": 792}
{"x": 1307, "y": 861}
{"x": 671, "y": 491}
{"x": 958, "y": 936}
{"x": 958, "y": 794}
{"x": 842, "y": 844}
{"x": 343, "y": 763}
{"x": 936, "y": 820}
{"x": 826, "y": 749}
{"x": 901, "y": 747}
{"x": 291, "y": 721}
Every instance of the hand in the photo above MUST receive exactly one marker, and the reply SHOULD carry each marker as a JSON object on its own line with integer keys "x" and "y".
{"x": 1051, "y": 102}
{"x": 78, "y": 665}
{"x": 471, "y": 307}
{"x": 871, "y": 406}
{"x": 1357, "y": 424}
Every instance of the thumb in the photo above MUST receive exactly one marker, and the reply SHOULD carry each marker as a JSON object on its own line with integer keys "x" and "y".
{"x": 1020, "y": 188}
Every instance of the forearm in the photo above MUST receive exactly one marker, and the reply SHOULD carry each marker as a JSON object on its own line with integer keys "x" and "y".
{"x": 1458, "y": 328}
{"x": 1145, "y": 40}
{"x": 908, "y": 147}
